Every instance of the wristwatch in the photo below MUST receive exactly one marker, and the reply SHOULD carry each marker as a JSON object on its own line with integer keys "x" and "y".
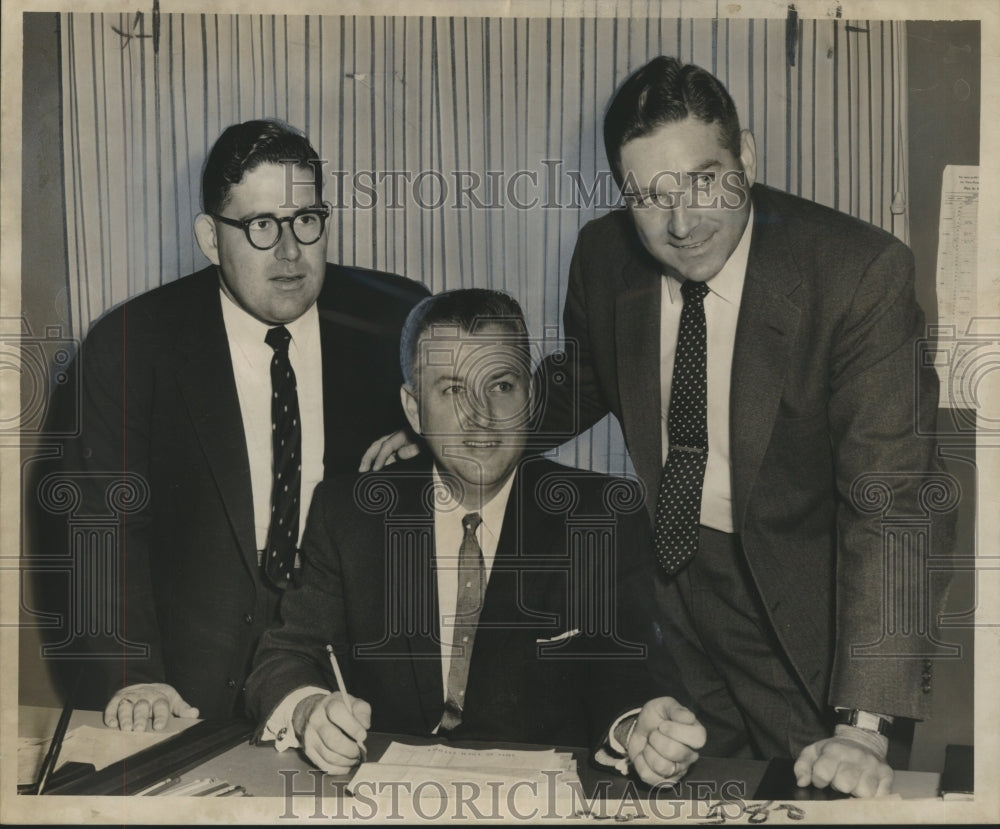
{"x": 864, "y": 720}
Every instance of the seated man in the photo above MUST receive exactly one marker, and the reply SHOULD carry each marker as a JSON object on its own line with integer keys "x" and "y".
{"x": 472, "y": 593}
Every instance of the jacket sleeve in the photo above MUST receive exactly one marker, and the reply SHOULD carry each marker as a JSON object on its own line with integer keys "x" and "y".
{"x": 572, "y": 398}
{"x": 624, "y": 683}
{"x": 97, "y": 500}
{"x": 293, "y": 654}
{"x": 891, "y": 492}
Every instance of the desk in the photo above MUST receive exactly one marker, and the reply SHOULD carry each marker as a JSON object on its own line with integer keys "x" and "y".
{"x": 265, "y": 772}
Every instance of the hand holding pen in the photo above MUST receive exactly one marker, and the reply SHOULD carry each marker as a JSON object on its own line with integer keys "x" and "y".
{"x": 332, "y": 728}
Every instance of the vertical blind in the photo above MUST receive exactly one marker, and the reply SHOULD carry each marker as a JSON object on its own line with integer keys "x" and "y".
{"x": 458, "y": 151}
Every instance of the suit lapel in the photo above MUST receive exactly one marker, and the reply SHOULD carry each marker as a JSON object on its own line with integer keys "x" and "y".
{"x": 205, "y": 379}
{"x": 637, "y": 335}
{"x": 765, "y": 332}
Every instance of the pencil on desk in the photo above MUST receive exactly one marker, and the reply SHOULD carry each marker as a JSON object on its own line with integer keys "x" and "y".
{"x": 348, "y": 700}
{"x": 214, "y": 790}
{"x": 52, "y": 755}
{"x": 192, "y": 787}
{"x": 159, "y": 788}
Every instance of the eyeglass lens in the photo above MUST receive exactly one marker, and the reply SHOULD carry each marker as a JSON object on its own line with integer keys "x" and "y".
{"x": 265, "y": 231}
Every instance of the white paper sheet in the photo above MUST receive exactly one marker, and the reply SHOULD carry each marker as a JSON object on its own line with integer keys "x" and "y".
{"x": 958, "y": 237}
{"x": 443, "y": 756}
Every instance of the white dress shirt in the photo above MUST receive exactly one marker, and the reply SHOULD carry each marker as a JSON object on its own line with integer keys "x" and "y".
{"x": 251, "y": 357}
{"x": 722, "y": 308}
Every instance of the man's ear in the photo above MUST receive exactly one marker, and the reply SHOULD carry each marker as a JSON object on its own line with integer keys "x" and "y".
{"x": 411, "y": 407}
{"x": 533, "y": 400}
{"x": 748, "y": 156}
{"x": 205, "y": 233}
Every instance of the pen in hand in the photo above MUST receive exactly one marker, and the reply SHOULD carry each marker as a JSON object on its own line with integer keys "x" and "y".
{"x": 348, "y": 700}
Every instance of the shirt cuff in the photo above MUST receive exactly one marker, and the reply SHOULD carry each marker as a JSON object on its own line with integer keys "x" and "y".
{"x": 611, "y": 753}
{"x": 877, "y": 743}
{"x": 279, "y": 725}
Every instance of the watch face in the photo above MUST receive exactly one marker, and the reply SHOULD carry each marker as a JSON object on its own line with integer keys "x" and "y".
{"x": 862, "y": 719}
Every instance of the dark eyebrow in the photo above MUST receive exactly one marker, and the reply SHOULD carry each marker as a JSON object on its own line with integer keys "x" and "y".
{"x": 302, "y": 210}
{"x": 503, "y": 372}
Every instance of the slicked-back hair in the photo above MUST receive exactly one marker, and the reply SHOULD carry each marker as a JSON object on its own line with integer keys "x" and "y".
{"x": 243, "y": 147}
{"x": 465, "y": 310}
{"x": 662, "y": 92}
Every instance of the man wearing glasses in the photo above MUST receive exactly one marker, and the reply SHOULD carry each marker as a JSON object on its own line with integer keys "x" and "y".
{"x": 224, "y": 397}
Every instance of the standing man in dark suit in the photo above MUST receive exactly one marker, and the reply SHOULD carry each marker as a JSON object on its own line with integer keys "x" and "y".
{"x": 179, "y": 393}
{"x": 469, "y": 594}
{"x": 775, "y": 563}
{"x": 771, "y": 342}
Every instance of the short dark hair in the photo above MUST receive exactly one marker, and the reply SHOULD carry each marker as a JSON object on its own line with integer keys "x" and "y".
{"x": 469, "y": 309}
{"x": 243, "y": 147}
{"x": 662, "y": 92}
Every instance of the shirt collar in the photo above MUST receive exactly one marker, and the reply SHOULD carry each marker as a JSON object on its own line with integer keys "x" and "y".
{"x": 492, "y": 512}
{"x": 727, "y": 284}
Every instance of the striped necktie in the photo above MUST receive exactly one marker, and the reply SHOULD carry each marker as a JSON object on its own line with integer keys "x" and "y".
{"x": 471, "y": 591}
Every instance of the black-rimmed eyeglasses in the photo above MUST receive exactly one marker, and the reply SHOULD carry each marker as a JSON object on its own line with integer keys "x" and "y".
{"x": 264, "y": 231}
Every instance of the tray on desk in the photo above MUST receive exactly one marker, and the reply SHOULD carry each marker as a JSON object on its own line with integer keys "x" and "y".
{"x": 173, "y": 756}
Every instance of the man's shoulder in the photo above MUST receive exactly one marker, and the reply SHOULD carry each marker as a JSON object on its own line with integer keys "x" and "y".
{"x": 554, "y": 487}
{"x": 403, "y": 485}
{"x": 614, "y": 229}
{"x": 408, "y": 484}
{"x": 369, "y": 280}
{"x": 820, "y": 227}
{"x": 608, "y": 254}
{"x": 163, "y": 310}
{"x": 364, "y": 297}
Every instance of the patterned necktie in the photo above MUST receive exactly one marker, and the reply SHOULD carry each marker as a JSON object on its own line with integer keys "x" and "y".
{"x": 286, "y": 462}
{"x": 678, "y": 503}
{"x": 471, "y": 591}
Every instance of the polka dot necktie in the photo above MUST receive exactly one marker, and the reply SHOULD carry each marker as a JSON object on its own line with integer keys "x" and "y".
{"x": 286, "y": 462}
{"x": 678, "y": 503}
{"x": 471, "y": 592}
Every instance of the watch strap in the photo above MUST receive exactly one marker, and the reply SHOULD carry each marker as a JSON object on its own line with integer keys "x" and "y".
{"x": 864, "y": 720}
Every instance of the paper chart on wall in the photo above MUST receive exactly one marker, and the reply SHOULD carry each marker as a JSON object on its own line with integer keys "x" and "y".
{"x": 960, "y": 327}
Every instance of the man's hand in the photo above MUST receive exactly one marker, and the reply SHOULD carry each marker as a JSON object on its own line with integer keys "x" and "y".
{"x": 387, "y": 450}
{"x": 329, "y": 733}
{"x": 133, "y": 706}
{"x": 665, "y": 741}
{"x": 847, "y": 765}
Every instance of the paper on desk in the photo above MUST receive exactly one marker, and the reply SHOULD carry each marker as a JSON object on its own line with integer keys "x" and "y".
{"x": 443, "y": 756}
{"x": 85, "y": 744}
{"x": 441, "y": 771}
{"x": 386, "y": 780}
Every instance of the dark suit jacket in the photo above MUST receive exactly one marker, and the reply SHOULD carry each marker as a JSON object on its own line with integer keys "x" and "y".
{"x": 368, "y": 587}
{"x": 825, "y": 391}
{"x": 160, "y": 419}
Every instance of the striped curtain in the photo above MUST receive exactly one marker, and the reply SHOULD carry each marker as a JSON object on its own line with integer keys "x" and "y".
{"x": 458, "y": 151}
